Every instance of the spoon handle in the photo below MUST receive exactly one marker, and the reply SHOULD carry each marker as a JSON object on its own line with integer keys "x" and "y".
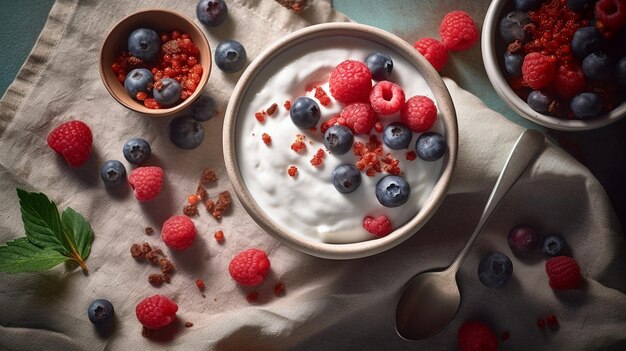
{"x": 528, "y": 145}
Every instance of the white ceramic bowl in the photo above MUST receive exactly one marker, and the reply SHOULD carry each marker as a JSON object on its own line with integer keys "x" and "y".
{"x": 493, "y": 49}
{"x": 250, "y": 79}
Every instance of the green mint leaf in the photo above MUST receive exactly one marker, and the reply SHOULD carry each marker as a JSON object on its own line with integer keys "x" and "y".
{"x": 20, "y": 255}
{"x": 42, "y": 222}
{"x": 78, "y": 231}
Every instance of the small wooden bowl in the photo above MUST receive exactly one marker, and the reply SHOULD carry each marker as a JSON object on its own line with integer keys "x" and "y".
{"x": 159, "y": 21}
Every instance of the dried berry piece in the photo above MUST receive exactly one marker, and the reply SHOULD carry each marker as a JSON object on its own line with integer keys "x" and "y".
{"x": 149, "y": 230}
{"x": 270, "y": 110}
{"x": 208, "y": 176}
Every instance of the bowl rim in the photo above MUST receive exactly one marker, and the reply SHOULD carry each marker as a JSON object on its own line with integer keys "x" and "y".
{"x": 446, "y": 109}
{"x": 163, "y": 112}
{"x": 502, "y": 88}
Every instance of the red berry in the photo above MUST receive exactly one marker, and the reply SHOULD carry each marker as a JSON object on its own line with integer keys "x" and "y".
{"x": 611, "y": 13}
{"x": 178, "y": 232}
{"x": 434, "y": 51}
{"x": 156, "y": 311}
{"x": 73, "y": 141}
{"x": 552, "y": 321}
{"x": 359, "y": 117}
{"x": 387, "y": 98}
{"x": 379, "y": 226}
{"x": 563, "y": 273}
{"x": 249, "y": 267}
{"x": 200, "y": 284}
{"x": 538, "y": 70}
{"x": 146, "y": 182}
{"x": 476, "y": 336}
{"x": 419, "y": 113}
{"x": 350, "y": 81}
{"x": 569, "y": 82}
{"x": 458, "y": 31}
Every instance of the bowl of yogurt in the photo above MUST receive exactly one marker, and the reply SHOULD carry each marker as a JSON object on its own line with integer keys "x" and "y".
{"x": 283, "y": 173}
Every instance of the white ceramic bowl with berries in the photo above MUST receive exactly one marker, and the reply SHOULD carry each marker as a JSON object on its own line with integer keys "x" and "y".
{"x": 552, "y": 102}
{"x": 148, "y": 81}
{"x": 340, "y": 168}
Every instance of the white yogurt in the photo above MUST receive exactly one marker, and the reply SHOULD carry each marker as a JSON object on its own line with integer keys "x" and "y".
{"x": 308, "y": 204}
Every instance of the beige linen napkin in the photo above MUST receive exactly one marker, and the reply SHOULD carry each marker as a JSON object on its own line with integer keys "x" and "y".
{"x": 328, "y": 304}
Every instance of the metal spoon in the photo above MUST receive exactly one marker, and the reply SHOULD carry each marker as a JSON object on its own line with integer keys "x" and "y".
{"x": 430, "y": 300}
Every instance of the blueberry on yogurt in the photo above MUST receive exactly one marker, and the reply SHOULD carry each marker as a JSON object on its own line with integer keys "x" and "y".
{"x": 397, "y": 136}
{"x": 144, "y": 44}
{"x": 230, "y": 56}
{"x": 346, "y": 178}
{"x": 392, "y": 191}
{"x": 167, "y": 91}
{"x": 304, "y": 112}
{"x": 338, "y": 139}
{"x": 380, "y": 65}
{"x": 139, "y": 79}
{"x": 430, "y": 146}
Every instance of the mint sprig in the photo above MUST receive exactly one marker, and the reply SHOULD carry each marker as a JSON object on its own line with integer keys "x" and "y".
{"x": 51, "y": 238}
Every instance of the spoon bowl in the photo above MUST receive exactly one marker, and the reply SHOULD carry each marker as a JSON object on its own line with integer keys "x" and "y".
{"x": 430, "y": 300}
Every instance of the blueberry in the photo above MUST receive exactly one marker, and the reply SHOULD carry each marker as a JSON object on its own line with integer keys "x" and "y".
{"x": 230, "y": 56}
{"x": 598, "y": 66}
{"x": 204, "y": 108}
{"x": 338, "y": 139}
{"x": 495, "y": 269}
{"x": 513, "y": 64}
{"x": 304, "y": 112}
{"x": 137, "y": 151}
{"x": 100, "y": 312}
{"x": 139, "y": 79}
{"x": 185, "y": 132}
{"x": 346, "y": 178}
{"x": 523, "y": 240}
{"x": 585, "y": 41}
{"x": 380, "y": 65}
{"x": 527, "y": 5}
{"x": 553, "y": 245}
{"x": 397, "y": 136}
{"x": 113, "y": 173}
{"x": 578, "y": 5}
{"x": 211, "y": 12}
{"x": 586, "y": 105}
{"x": 512, "y": 27}
{"x": 392, "y": 191}
{"x": 539, "y": 101}
{"x": 167, "y": 91}
{"x": 430, "y": 146}
{"x": 144, "y": 44}
{"x": 620, "y": 71}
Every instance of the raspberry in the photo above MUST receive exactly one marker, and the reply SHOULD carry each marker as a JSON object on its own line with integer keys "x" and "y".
{"x": 476, "y": 336}
{"x": 156, "y": 312}
{"x": 379, "y": 226}
{"x": 350, "y": 81}
{"x": 146, "y": 182}
{"x": 569, "y": 82}
{"x": 387, "y": 98}
{"x": 359, "y": 117}
{"x": 458, "y": 31}
{"x": 611, "y": 13}
{"x": 563, "y": 273}
{"x": 538, "y": 70}
{"x": 434, "y": 51}
{"x": 249, "y": 267}
{"x": 178, "y": 232}
{"x": 73, "y": 141}
{"x": 419, "y": 113}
